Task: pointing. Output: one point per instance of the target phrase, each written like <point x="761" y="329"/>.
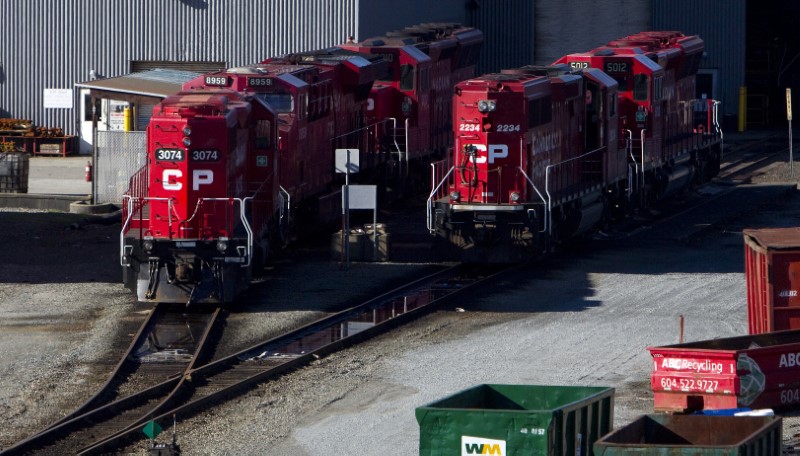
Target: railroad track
<point x="199" y="386"/>
<point x="744" y="159"/>
<point x="168" y="344"/>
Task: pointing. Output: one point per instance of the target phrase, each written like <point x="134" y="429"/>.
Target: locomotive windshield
<point x="280" y="102"/>
<point x="640" y="87"/>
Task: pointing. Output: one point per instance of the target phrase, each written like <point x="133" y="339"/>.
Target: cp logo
<point x="495" y="151"/>
<point x="171" y="178"/>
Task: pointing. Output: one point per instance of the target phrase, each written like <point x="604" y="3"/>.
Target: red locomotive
<point x="239" y="154"/>
<point x="545" y="153"/>
<point x="411" y="105"/>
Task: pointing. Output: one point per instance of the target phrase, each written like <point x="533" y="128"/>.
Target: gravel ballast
<point x="583" y="317"/>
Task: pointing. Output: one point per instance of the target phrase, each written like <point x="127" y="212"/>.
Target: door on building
<point x="110" y="117"/>
<point x="88" y="110"/>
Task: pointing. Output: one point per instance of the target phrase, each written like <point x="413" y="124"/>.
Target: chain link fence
<point x="119" y="154"/>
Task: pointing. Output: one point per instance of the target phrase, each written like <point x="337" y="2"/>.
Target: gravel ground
<point x="584" y="317"/>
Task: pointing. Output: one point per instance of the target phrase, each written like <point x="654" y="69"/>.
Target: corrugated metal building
<point x="722" y="25"/>
<point x="48" y="46"/>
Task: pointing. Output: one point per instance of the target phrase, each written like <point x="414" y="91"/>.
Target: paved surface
<point x="58" y="176"/>
<point x="54" y="184"/>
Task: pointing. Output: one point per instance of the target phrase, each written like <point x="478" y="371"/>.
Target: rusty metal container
<point x="652" y="435"/>
<point x="772" y="271"/>
<point x="756" y="371"/>
<point x="356" y="245"/>
<point x="14" y="169"/>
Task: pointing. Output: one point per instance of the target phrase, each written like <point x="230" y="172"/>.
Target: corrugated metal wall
<point x="567" y="26"/>
<point x="722" y="25"/>
<point x="376" y="17"/>
<point x="508" y="30"/>
<point x="55" y="43"/>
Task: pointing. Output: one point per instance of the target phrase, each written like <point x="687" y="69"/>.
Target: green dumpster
<point x="513" y="420"/>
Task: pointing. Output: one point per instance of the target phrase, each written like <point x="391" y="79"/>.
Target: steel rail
<point x="97" y="416"/>
<point x="204" y="386"/>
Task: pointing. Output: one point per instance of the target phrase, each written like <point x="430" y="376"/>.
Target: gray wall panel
<point x="55" y="43"/>
<point x="722" y="25"/>
<point x="378" y="17"/>
<point x="508" y="27"/>
<point x="567" y="26"/>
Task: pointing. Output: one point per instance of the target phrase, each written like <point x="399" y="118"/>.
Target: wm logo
<point x="477" y="445"/>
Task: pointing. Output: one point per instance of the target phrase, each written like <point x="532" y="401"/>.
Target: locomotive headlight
<point x="455" y="196"/>
<point x="222" y="244"/>
<point x="187" y="142"/>
<point x="187" y="131"/>
<point x="148" y="244"/>
<point x="515" y="197"/>
<point x="487" y="105"/>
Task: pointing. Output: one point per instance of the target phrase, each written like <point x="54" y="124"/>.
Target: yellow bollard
<point x="127" y="118"/>
<point x="742" y="108"/>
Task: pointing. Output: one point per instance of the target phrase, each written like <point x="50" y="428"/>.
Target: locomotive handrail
<point x="402" y="153"/>
<point x="715" y="116"/>
<point x="433" y="195"/>
<point x="124" y="230"/>
<point x="547" y="209"/>
<point x="536" y="189"/>
<point x="243" y="218"/>
<point x="286" y="206"/>
<point x="547" y="173"/>
<point x="128" y="220"/>
<point x="406" y="138"/>
<point x="635" y="165"/>
<point x="643" y="164"/>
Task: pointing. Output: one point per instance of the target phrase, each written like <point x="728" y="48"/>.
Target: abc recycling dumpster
<point x="516" y="420"/>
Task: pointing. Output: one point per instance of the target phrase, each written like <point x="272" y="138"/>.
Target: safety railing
<point x="130" y="202"/>
<point x="246" y="250"/>
<point x="438" y="180"/>
<point x="571" y="177"/>
<point x="136" y="205"/>
<point x="545" y="201"/>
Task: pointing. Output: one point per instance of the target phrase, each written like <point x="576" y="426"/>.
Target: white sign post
<point x="346" y="161"/>
<point x="789" y="118"/>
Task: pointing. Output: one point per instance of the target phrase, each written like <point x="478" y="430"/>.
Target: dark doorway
<point x="773" y="59"/>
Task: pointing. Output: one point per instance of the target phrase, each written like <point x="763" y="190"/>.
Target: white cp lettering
<point x="497" y="151"/>
<point x="169" y="174"/>
<point x="201" y="177"/>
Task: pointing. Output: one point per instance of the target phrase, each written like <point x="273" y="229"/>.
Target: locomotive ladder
<point x="399" y="145"/>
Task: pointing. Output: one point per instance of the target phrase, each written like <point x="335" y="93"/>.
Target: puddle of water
<point x="364" y="320"/>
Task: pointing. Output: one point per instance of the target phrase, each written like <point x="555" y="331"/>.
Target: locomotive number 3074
<point x="205" y="155"/>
